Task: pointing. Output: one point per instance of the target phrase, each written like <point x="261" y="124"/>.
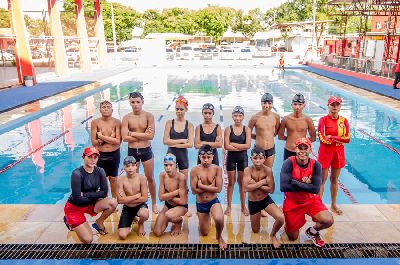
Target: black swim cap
<point x="208" y="106"/>
<point x="298" y="98"/>
<point x="267" y="97"/>
<point x="238" y="109"/>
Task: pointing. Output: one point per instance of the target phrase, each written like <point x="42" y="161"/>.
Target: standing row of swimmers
<point x="137" y="128"/>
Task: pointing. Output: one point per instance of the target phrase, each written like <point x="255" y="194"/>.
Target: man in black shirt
<point x="88" y="195"/>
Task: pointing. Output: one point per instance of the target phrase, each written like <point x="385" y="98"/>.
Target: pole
<point x="273" y="37"/>
<point x="313" y="32"/>
<point x="113" y="28"/>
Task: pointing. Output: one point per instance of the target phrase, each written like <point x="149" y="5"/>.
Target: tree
<point x="214" y="21"/>
<point x="247" y="24"/>
<point x="4" y="19"/>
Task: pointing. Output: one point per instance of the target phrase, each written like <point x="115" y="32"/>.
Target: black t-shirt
<point x="93" y="186"/>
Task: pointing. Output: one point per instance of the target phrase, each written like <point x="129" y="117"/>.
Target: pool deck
<point x="43" y="224"/>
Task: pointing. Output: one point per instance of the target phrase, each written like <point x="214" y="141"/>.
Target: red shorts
<point x="331" y="156"/>
<point x="76" y="214"/>
<point x="295" y="217"/>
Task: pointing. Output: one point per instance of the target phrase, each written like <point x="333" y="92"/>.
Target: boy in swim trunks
<point x="105" y="134"/>
<point x="259" y="183"/>
<point x="300" y="181"/>
<point x="206" y="183"/>
<point x="173" y="190"/>
<point x="296" y="125"/>
<point x="266" y="124"/>
<point x="137" y="130"/>
<point x="133" y="194"/>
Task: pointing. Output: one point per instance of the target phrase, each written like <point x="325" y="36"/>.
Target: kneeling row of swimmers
<point x="300" y="180"/>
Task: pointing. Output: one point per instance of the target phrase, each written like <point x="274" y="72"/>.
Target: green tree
<point x="4" y="19"/>
<point x="248" y="24"/>
<point x="214" y="21"/>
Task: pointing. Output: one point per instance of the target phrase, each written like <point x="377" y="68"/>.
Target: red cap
<point x="183" y="100"/>
<point x="303" y="140"/>
<point x="90" y="151"/>
<point x="334" y="99"/>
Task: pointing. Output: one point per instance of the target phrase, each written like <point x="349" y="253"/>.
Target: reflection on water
<point x="370" y="175"/>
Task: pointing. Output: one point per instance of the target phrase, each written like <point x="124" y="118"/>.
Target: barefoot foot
<point x="155" y="209"/>
<point x="228" y="211"/>
<point x="276" y="242"/>
<point x="336" y="209"/>
<point x="141" y="231"/>
<point x="222" y="244"/>
<point x="176" y="229"/>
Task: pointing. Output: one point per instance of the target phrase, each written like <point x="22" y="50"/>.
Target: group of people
<point x="302" y="178"/>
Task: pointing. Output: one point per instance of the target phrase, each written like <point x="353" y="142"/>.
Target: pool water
<point x="34" y="175"/>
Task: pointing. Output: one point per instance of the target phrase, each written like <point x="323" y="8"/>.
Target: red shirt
<point x="301" y="197"/>
<point x="397" y="67"/>
<point x="338" y="129"/>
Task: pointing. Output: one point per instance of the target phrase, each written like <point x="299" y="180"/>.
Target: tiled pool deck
<point x="43" y="224"/>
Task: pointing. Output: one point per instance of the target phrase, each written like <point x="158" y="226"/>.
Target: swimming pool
<point x="43" y="177"/>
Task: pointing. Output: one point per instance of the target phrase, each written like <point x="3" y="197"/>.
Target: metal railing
<point x="367" y="66"/>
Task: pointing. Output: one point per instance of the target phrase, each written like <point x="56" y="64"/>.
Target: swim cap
<point x="267" y="97"/>
<point x="129" y="160"/>
<point x="183" y="100"/>
<point x="88" y="151"/>
<point x="208" y="106"/>
<point x="257" y="151"/>
<point x="136" y="95"/>
<point x="334" y="99"/>
<point x="299" y="98"/>
<point x="238" y="109"/>
<point x="170" y="158"/>
<point x="206" y="149"/>
<point x="303" y="140"/>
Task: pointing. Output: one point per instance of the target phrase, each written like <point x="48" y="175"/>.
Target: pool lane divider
<point x="173" y="99"/>
<point x="391" y="148"/>
<point x="223" y="151"/>
<point x="4" y="169"/>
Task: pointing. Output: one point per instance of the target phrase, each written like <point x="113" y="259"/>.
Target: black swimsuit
<point x="204" y="137"/>
<point x="181" y="154"/>
<point x="237" y="159"/>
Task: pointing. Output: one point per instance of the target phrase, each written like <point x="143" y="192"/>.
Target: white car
<point x="186" y="53"/>
<point x="227" y="54"/>
<point x="245" y="54"/>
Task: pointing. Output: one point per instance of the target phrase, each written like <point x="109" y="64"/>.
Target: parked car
<point x="130" y="54"/>
<point x="245" y="54"/>
<point x="186" y="53"/>
<point x="206" y="54"/>
<point x="170" y="54"/>
<point x="197" y="53"/>
<point x="227" y="54"/>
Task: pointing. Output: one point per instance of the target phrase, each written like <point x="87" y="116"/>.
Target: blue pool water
<point x="370" y="175"/>
<point x="211" y="262"/>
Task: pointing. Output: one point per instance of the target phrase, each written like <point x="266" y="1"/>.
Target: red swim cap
<point x="183" y="100"/>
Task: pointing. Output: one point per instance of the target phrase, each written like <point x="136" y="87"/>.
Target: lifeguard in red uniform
<point x="333" y="133"/>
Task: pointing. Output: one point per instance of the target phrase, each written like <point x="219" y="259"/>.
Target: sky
<point x="141" y="5"/>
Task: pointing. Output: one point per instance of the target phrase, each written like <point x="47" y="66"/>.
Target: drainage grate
<point x="196" y="251"/>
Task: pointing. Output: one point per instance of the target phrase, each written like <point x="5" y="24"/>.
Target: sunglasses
<point x="181" y="109"/>
<point x="257" y="154"/>
<point x="210" y="107"/>
<point x="209" y="152"/>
